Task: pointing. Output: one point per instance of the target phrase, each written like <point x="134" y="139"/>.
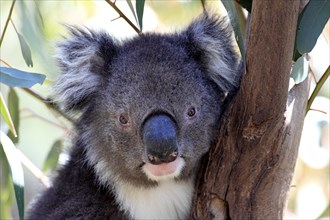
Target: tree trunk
<point x="247" y="174"/>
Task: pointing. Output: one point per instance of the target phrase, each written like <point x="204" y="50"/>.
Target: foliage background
<point x="41" y="24"/>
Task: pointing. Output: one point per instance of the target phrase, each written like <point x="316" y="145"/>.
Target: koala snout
<point x="160" y="139"/>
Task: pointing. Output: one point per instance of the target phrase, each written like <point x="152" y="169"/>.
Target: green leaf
<point x="311" y="23"/>
<point x="317" y="88"/>
<point x="6" y="187"/>
<point x="26" y="52"/>
<point x="13" y="107"/>
<point x="139" y="11"/>
<point x="296" y="54"/>
<point x="300" y="70"/>
<point x="129" y="2"/>
<point x="247" y="4"/>
<point x="14" y="77"/>
<point x="6" y="115"/>
<point x="38" y="16"/>
<point x="234" y="20"/>
<point x="16" y="171"/>
<point x="325" y="213"/>
<point x="52" y="157"/>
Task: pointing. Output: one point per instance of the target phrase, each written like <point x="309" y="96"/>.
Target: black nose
<point x="160" y="139"/>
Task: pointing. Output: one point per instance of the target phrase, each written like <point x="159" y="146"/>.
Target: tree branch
<point x="121" y="14"/>
<point x="49" y="104"/>
<point x="319" y="85"/>
<point x="33" y="169"/>
<point x="248" y="173"/>
<point x="35" y="115"/>
<point x="7" y="22"/>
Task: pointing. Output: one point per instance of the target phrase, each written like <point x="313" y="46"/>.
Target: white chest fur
<point x="169" y="200"/>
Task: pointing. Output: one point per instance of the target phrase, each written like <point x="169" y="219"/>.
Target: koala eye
<point x="191" y="112"/>
<point x="123" y="119"/>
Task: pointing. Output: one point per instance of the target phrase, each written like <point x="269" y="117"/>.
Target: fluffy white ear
<point x="210" y="40"/>
<point x="83" y="59"/>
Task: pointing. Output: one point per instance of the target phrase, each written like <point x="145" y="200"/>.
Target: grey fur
<point x="152" y="73"/>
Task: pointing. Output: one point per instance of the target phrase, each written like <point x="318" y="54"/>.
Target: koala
<point x="148" y="109"/>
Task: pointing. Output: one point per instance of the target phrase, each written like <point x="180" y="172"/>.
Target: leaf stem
<point x="7" y="22"/>
<point x="49" y="104"/>
<point x="121" y="14"/>
<point x="6" y="115"/>
<point x="5" y="63"/>
<point x="35" y="115"/>
<point x="11" y="21"/>
<point x="319" y="85"/>
<point x="33" y="169"/>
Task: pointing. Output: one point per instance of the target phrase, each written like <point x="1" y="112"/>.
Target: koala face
<point x="150" y="106"/>
<point x="164" y="83"/>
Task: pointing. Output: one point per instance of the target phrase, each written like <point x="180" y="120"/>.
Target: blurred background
<point x="42" y="131"/>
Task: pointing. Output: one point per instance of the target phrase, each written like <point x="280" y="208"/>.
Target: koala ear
<point x="83" y="59"/>
<point x="210" y="40"/>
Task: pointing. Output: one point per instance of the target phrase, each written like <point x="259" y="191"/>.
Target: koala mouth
<point x="164" y="171"/>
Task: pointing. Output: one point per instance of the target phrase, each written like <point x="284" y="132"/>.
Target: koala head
<point x="149" y="107"/>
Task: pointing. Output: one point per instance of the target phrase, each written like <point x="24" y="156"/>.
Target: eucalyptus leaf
<point x="26" y="52"/>
<point x="52" y="157"/>
<point x="139" y="11"/>
<point x="300" y="70"/>
<point x="13" y="107"/>
<point x="16" y="171"/>
<point x="14" y="77"/>
<point x="325" y="213"/>
<point x="296" y="54"/>
<point x="247" y="4"/>
<point x="38" y="16"/>
<point x="311" y="23"/>
<point x="7" y="195"/>
<point x="234" y="19"/>
<point x="33" y="32"/>
<point x="129" y="2"/>
<point x="6" y="115"/>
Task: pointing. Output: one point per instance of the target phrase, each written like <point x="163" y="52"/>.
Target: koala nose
<point x="160" y="139"/>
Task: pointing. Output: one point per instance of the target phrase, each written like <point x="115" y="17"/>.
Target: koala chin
<point x="147" y="110"/>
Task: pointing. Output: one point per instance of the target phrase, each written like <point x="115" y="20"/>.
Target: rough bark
<point x="247" y="175"/>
